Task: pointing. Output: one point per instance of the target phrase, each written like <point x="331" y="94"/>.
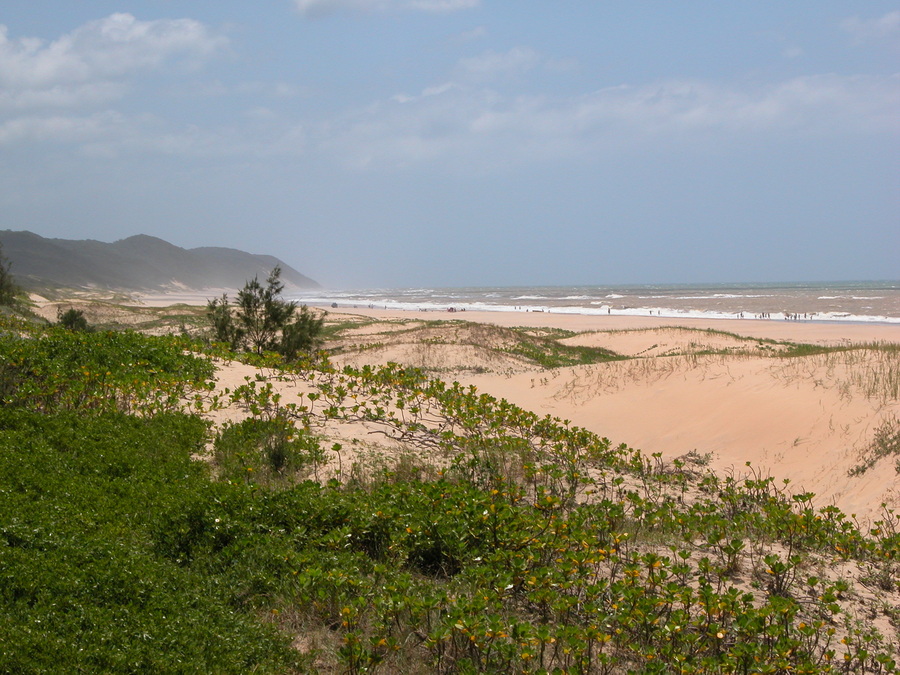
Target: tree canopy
<point x="8" y="287"/>
<point x="261" y="320"/>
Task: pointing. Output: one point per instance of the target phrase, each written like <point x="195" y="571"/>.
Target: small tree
<point x="261" y="312"/>
<point x="8" y="287"/>
<point x="218" y="310"/>
<point x="261" y="320"/>
<point x="72" y="319"/>
<point x="303" y="335"/>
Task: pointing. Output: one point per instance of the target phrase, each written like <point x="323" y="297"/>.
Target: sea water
<point x="858" y="302"/>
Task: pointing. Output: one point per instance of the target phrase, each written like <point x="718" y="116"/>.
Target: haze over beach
<point x="447" y="143"/>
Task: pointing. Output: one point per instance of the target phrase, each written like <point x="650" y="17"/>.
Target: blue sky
<point x="374" y="143"/>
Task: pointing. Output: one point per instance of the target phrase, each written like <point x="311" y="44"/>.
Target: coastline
<point x="806" y="330"/>
<point x="812" y="332"/>
<point x="701" y="390"/>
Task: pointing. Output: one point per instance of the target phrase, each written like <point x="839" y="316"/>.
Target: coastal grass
<point x="885" y="443"/>
<point x="537" y="348"/>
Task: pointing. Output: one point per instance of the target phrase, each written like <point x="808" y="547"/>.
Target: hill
<point x="138" y="263"/>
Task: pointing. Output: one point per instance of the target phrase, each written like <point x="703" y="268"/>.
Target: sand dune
<point x="808" y="420"/>
<point x="805" y="419"/>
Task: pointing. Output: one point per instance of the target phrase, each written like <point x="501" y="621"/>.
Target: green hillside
<point x="136" y="263"/>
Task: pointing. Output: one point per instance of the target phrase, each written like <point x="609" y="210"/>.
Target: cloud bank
<point x="88" y="65"/>
<point x="318" y="8"/>
<point x="64" y="92"/>
<point x="868" y="30"/>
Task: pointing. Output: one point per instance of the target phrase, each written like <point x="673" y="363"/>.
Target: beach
<point x="703" y="388"/>
<point x="806" y="419"/>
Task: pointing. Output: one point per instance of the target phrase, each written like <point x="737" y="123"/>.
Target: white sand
<point x="800" y="419"/>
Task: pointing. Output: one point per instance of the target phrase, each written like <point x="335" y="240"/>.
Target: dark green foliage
<point x="262" y="321"/>
<point x="83" y="587"/>
<point x="8" y="288"/>
<point x="72" y="319"/>
<point x="262" y="314"/>
<point x="303" y="335"/>
<point x="218" y="311"/>
<point x="269" y="451"/>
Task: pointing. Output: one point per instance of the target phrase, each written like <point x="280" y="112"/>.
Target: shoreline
<point x="810" y="331"/>
<point x="807" y="419"/>
<point x="828" y="333"/>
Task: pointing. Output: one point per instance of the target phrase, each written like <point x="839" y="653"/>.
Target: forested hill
<point x="140" y="262"/>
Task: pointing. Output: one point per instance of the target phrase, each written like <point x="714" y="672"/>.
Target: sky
<point x="432" y="143"/>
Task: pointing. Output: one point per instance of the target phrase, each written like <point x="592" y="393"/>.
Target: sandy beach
<point x="808" y="420"/>
<point x="812" y="332"/>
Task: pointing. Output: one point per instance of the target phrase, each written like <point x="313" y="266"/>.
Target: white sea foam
<point x="776" y="303"/>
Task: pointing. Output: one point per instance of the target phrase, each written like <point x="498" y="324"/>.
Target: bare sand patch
<point x="807" y="425"/>
<point x="666" y="341"/>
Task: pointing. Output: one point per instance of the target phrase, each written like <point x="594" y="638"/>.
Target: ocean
<point x="858" y="302"/>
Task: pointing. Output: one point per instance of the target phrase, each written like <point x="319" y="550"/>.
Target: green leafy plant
<point x="72" y="319"/>
<point x="8" y="287"/>
<point x="262" y="321"/>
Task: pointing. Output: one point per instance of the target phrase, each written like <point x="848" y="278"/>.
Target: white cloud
<point x="62" y="96"/>
<point x="873" y="29"/>
<point x="75" y="68"/>
<point x="316" y="8"/>
<point x="478" y="126"/>
<point x="428" y="91"/>
<point x="61" y="129"/>
<point x="477" y="33"/>
<point x="491" y="64"/>
<point x="269" y="89"/>
<point x="442" y="5"/>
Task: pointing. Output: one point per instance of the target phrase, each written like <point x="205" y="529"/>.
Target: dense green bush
<point x="261" y="320"/>
<point x="269" y="451"/>
<point x="83" y="586"/>
<point x="8" y="287"/>
<point x="58" y="369"/>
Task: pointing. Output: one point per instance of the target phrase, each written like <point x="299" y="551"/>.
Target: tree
<point x="218" y="310"/>
<point x="261" y="312"/>
<point x="262" y="321"/>
<point x="72" y="319"/>
<point x="8" y="287"/>
<point x="303" y="335"/>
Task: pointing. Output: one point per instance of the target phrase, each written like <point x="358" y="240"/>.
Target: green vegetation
<point x="89" y="581"/>
<point x="8" y="288"/>
<point x="541" y="348"/>
<point x="885" y="443"/>
<point x="55" y="369"/>
<point x="548" y="353"/>
<point x="72" y="319"/>
<point x="499" y="542"/>
<point x="263" y="321"/>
